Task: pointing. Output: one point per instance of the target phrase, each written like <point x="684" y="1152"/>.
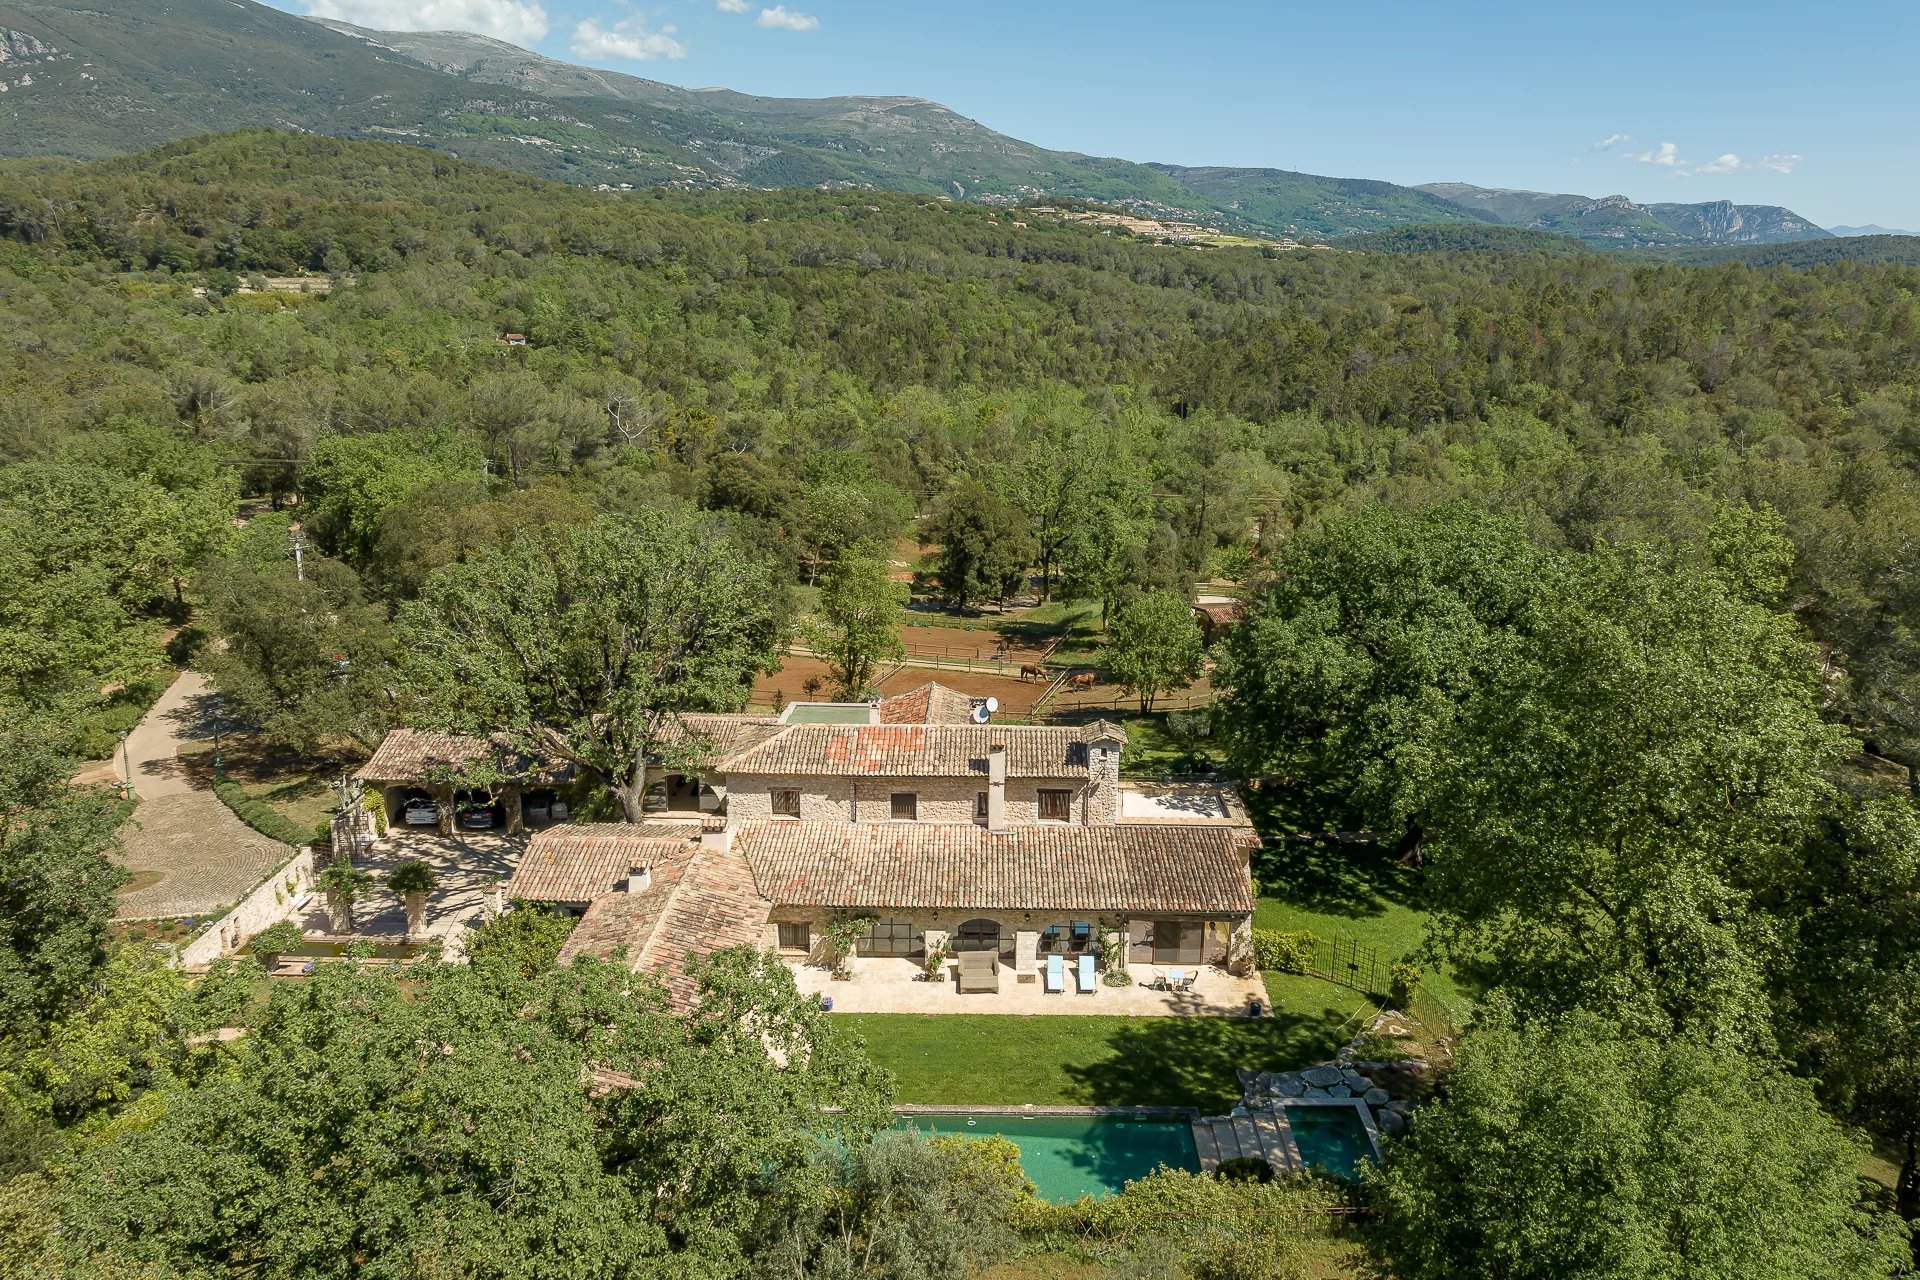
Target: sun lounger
<point x="979" y="971"/>
<point x="1056" y="974"/>
<point x="1083" y="975"/>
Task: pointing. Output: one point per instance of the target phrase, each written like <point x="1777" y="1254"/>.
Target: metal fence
<point x="1351" y="963"/>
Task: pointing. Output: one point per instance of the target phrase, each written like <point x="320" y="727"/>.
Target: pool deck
<point x="886" y="985"/>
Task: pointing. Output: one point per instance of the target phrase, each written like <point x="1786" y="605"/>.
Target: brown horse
<point x="1080" y="683"/>
<point x="1032" y="671"/>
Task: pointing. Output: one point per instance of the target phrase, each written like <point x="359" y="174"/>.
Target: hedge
<point x="1277" y="952"/>
<point x="260" y="815"/>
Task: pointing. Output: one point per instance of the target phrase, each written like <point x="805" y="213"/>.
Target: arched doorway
<point x="977" y="935"/>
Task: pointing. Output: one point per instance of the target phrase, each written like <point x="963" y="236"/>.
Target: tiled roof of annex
<point x="413" y="755"/>
<point x="963" y="866"/>
<point x="581" y="863"/>
<point x="922" y="751"/>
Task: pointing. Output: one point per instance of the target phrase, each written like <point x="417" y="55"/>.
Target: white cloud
<point x="1611" y="141"/>
<point x="732" y="6"/>
<point x="1666" y="154"/>
<point x="1725" y="164"/>
<point x="1780" y="163"/>
<point x="521" y="21"/>
<point x="628" y="38"/>
<point x="786" y="19"/>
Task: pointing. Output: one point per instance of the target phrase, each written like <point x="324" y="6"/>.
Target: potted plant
<point x="936" y="964"/>
<point x="274" y="941"/>
<point x="342" y="882"/>
<point x="411" y="882"/>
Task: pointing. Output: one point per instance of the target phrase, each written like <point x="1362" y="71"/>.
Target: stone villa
<point x="943" y="832"/>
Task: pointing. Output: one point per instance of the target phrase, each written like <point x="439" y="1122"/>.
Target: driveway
<point x="189" y="855"/>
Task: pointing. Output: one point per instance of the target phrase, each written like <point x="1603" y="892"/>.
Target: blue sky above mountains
<point x="1760" y="102"/>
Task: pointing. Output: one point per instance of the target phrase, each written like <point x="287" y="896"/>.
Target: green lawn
<point x="1350" y="890"/>
<point x="1095" y="1060"/>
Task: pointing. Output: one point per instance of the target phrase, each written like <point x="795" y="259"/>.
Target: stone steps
<point x="1262" y="1136"/>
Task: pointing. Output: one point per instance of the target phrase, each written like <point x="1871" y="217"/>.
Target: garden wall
<point x="273" y="899"/>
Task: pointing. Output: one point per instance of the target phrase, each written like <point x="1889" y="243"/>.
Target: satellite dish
<point x="981" y="714"/>
<point x="993" y="704"/>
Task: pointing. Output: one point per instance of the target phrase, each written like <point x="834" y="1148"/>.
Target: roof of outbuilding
<point x="414" y="755"/>
<point x="961" y="866"/>
<point x="582" y="862"/>
<point x="920" y="750"/>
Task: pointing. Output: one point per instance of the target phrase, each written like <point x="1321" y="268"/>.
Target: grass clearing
<point x="1095" y="1060"/>
<point x="1353" y="890"/>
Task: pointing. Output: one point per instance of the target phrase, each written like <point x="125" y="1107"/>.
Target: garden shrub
<point x="260" y="815"/>
<point x="1277" y="952"/>
<point x="1403" y="985"/>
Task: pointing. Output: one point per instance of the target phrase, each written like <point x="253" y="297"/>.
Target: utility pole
<point x="299" y="549"/>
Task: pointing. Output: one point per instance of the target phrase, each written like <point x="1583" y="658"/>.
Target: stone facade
<point x="938" y="927"/>
<point x="750" y="798"/>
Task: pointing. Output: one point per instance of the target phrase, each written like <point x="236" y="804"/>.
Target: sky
<point x="1807" y="106"/>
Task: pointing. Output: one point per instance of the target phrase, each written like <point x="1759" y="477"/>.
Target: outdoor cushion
<point x="1056" y="973"/>
<point x="1084" y="972"/>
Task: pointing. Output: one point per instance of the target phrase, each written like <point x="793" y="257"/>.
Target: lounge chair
<point x="1187" y="980"/>
<point x="1083" y="975"/>
<point x="1056" y="974"/>
<point x="979" y="971"/>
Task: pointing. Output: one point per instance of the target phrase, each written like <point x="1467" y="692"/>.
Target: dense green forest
<point x="1589" y="581"/>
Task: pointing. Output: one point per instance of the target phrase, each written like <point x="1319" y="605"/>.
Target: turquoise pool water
<point x="1331" y="1139"/>
<point x="1072" y="1156"/>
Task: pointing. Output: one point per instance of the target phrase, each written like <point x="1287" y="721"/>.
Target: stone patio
<point x="467" y="863"/>
<point x="887" y="985"/>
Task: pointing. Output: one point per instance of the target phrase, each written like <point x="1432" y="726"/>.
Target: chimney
<point x="997" y="787"/>
<point x="639" y="879"/>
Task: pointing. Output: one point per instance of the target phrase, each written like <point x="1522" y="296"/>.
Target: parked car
<point x="476" y="817"/>
<point x="420" y="812"/>
<point x="537" y="810"/>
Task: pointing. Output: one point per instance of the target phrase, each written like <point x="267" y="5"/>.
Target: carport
<point x="444" y="767"/>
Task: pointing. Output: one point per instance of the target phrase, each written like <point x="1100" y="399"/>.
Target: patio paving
<point x="887" y="985"/>
<point x="467" y="864"/>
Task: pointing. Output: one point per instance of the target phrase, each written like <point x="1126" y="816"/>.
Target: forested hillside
<point x="1582" y="588"/>
<point x="756" y="350"/>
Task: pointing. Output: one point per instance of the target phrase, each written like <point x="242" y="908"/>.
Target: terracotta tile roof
<point x="620" y="919"/>
<point x="721" y="734"/>
<point x="411" y="755"/>
<point x="923" y="751"/>
<point x="960" y="866"/>
<point x="715" y="906"/>
<point x="694" y="907"/>
<point x="581" y="863"/>
<point x="931" y="703"/>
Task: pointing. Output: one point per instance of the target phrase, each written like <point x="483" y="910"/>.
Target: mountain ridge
<point x="91" y="78"/>
<point x="1627" y="223"/>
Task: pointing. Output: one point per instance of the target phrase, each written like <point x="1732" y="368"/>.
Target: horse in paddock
<point x="1080" y="683"/>
<point x="1032" y="671"/>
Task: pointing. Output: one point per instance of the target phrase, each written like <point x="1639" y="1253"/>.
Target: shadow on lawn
<point x="1353" y="877"/>
<point x="1190" y="1062"/>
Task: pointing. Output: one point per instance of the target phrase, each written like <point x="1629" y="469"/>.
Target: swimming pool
<point x="1332" y="1139"/>
<point x="1067" y="1157"/>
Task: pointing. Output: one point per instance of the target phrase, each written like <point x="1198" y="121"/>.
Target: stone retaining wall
<point x="272" y="900"/>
